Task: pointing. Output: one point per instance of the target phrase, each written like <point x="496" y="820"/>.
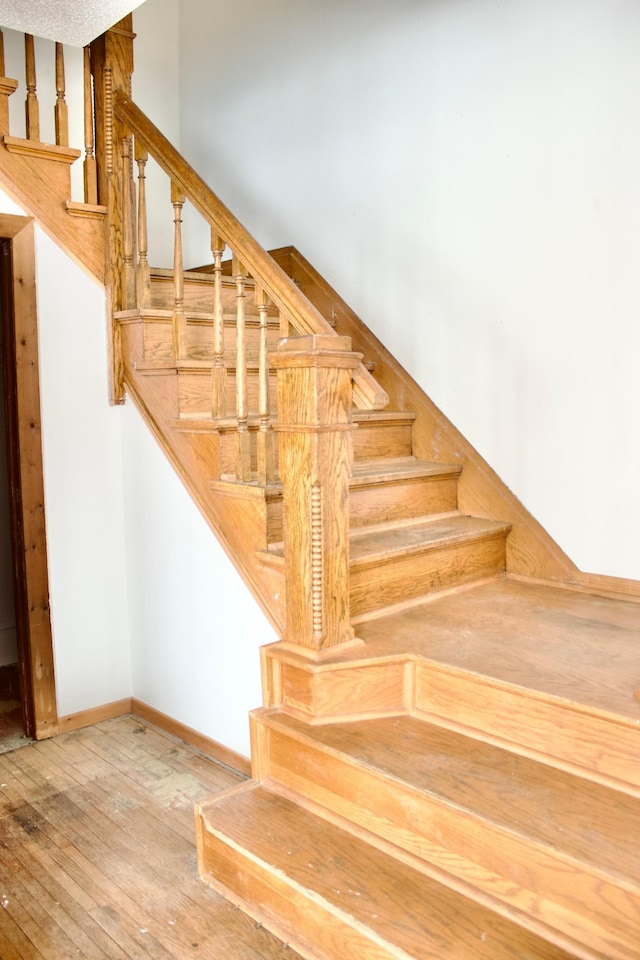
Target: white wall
<point x="465" y="173"/>
<point x="83" y="485"/>
<point x="196" y="630"/>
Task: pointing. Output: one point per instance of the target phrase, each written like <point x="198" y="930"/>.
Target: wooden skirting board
<point x="129" y="705"/>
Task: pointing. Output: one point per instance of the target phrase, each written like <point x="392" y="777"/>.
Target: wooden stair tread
<point x="565" y="644"/>
<point x="383" y="416"/>
<point x="582" y="820"/>
<point x="395" y="907"/>
<point x="397" y="468"/>
<point x="369" y="545"/>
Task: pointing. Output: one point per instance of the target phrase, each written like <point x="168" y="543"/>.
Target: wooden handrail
<point x="279" y="287"/>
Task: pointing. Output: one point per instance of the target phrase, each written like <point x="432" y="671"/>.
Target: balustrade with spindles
<point x="250" y="293"/>
<point x="33" y="126"/>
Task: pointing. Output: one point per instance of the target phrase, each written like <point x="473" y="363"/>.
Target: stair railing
<point x="253" y="270"/>
<point x="32" y="130"/>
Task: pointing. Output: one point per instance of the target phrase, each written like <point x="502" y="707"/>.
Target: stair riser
<point x="401" y="578"/>
<point x="571" y="738"/>
<point x="158" y="342"/>
<point x="401" y="500"/>
<point x="380" y="439"/>
<point x="194" y="393"/>
<point x="554" y="890"/>
<point x="296" y="916"/>
<point x="198" y="295"/>
<point x="386" y="502"/>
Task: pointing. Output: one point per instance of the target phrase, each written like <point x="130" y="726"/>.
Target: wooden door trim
<point x="35" y="641"/>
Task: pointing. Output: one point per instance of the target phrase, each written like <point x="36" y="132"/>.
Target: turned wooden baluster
<point x="90" y="168"/>
<point x="143" y="276"/>
<point x="243" y="451"/>
<point x="219" y="376"/>
<point x="128" y="205"/>
<point x="32" y="110"/>
<point x="7" y="87"/>
<point x="315" y="451"/>
<point x="265" y="440"/>
<point x="179" y="318"/>
<point x="61" y="110"/>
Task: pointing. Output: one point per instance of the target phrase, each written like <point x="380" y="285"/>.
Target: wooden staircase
<point x="457" y="778"/>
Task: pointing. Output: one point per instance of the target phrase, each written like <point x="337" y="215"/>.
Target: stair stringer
<point x="236" y="513"/>
<point x="531" y="551"/>
<point x="36" y="176"/>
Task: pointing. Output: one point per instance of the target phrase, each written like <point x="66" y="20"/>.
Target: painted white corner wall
<point x="196" y="630"/>
<point x="465" y="174"/>
<point x="84" y="503"/>
<point x="155" y="88"/>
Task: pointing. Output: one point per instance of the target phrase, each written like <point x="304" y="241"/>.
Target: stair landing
<point x="560" y="642"/>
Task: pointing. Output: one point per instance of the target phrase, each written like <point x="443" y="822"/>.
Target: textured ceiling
<point x="69" y="21"/>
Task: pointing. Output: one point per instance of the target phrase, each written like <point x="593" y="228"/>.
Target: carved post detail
<point x="31" y="107"/>
<point x="7" y="87"/>
<point x="314" y="431"/>
<point x="90" y="169"/>
<point x="143" y="275"/>
<point x="219" y="374"/>
<point x="179" y="318"/>
<point x="61" y="110"/>
<point x="243" y="450"/>
<point x="265" y="457"/>
<point x="111" y="62"/>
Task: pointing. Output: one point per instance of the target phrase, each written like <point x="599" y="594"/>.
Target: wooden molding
<point x="611" y="586"/>
<point x="43" y="151"/>
<point x="206" y="745"/>
<point x="86" y="718"/>
<point x="283" y="292"/>
<point x="26" y="479"/>
<point x="41" y="187"/>
<point x="90" y="210"/>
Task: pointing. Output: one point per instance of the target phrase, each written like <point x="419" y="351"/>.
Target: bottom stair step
<point x="331" y="894"/>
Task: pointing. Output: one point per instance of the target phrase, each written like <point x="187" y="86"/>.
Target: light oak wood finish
<point x="90" y="170"/>
<point x="271" y="855"/>
<point x="61" y="110"/>
<point x="37" y="177"/>
<point x="314" y="433"/>
<point x="530" y="550"/>
<point x="31" y="107"/>
<point x="7" y="87"/>
<point x="471" y="810"/>
<point x="98" y="852"/>
<point x="111" y="58"/>
<point x="282" y="291"/>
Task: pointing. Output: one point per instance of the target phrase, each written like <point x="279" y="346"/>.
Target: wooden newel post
<point x="315" y="448"/>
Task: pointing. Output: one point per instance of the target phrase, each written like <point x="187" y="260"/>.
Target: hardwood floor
<point x="98" y="852"/>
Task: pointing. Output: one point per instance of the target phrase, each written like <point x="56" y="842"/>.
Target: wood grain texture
<point x="99" y="856"/>
<point x="282" y="291"/>
<point x="472" y="810"/>
<point x="531" y="550"/>
<point x="314" y="441"/>
<point x="273" y="856"/>
<point x="41" y="186"/>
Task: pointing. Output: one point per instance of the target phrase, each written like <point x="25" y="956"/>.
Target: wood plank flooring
<point x="97" y="852"/>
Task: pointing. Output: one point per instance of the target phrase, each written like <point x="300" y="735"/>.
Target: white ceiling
<point x="68" y="21"/>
